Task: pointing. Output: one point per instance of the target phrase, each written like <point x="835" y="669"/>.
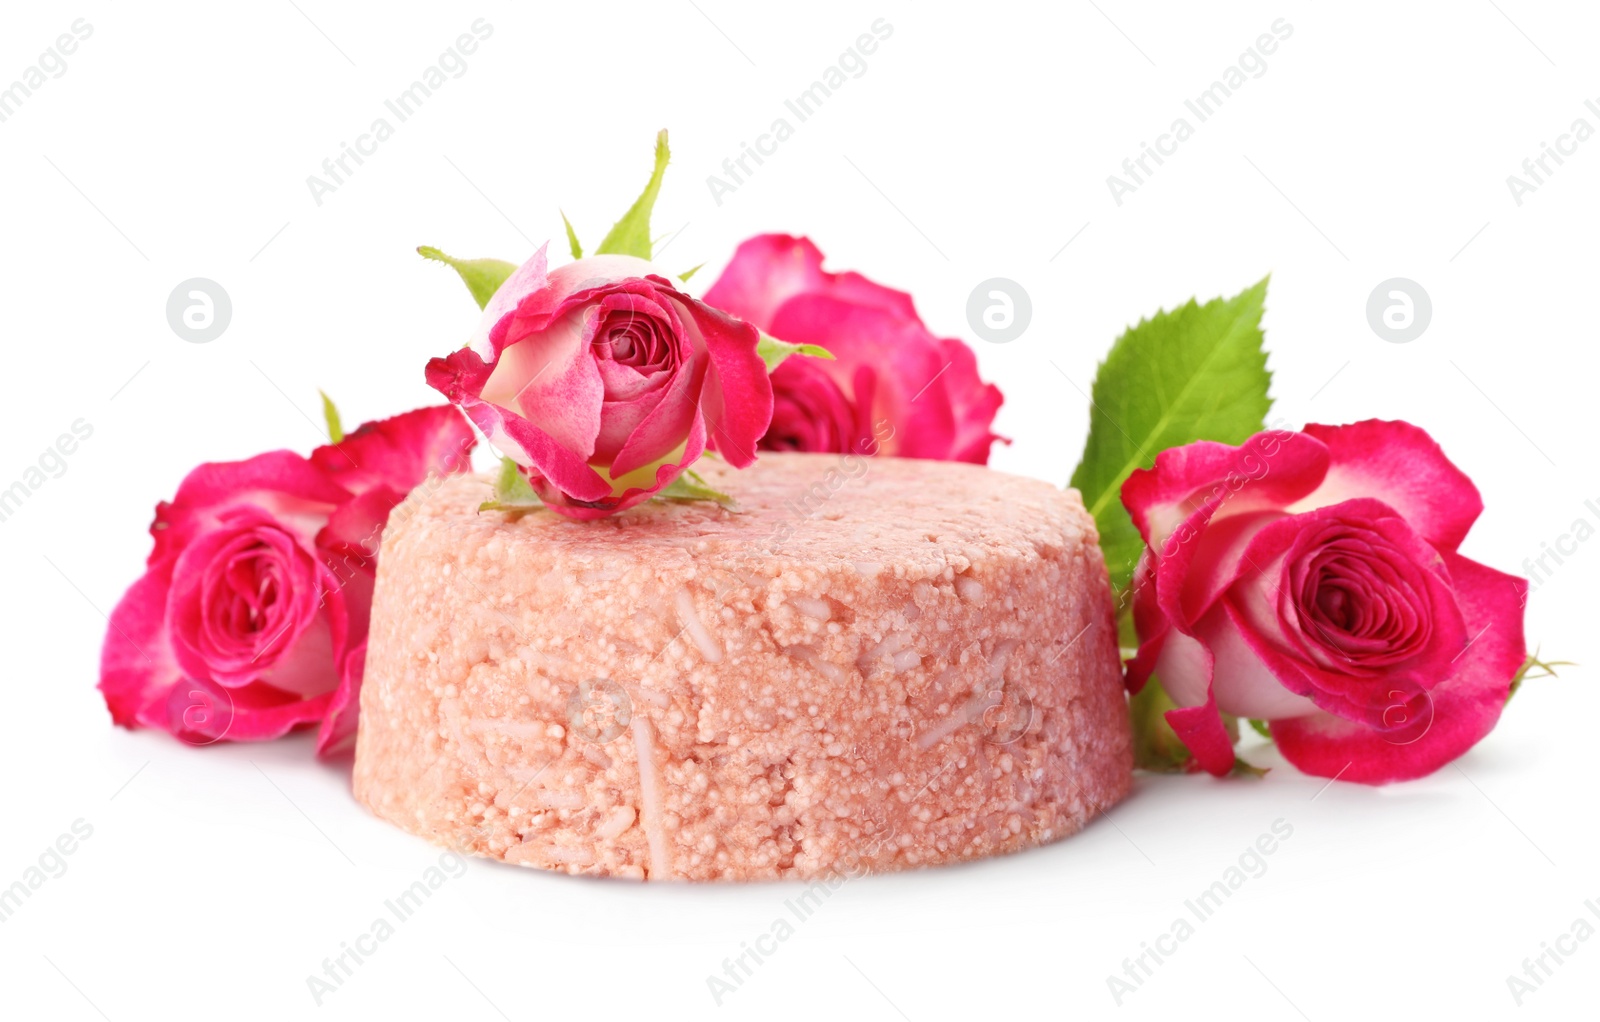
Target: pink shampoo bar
<point x="873" y="664"/>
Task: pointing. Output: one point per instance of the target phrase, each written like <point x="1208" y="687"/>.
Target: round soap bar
<point x="873" y="664"/>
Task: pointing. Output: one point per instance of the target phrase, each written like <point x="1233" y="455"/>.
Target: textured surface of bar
<point x="876" y="664"/>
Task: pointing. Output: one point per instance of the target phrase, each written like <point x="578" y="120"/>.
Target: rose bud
<point x="1312" y="580"/>
<point x="893" y="387"/>
<point x="604" y="382"/>
<point x="251" y="618"/>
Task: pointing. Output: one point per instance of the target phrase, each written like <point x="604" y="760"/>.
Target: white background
<point x="977" y="144"/>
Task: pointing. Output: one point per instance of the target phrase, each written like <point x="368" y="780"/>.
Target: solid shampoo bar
<point x="873" y="664"/>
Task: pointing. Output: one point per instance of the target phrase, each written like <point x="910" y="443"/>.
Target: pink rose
<point x="604" y="382"/>
<point x="251" y="618"/>
<point x="1311" y="579"/>
<point x="888" y="369"/>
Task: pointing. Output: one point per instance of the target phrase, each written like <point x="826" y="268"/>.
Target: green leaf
<point x="691" y="271"/>
<point x="691" y="486"/>
<point x="1196" y="373"/>
<point x="330" y="415"/>
<point x="774" y="351"/>
<point x="572" y="238"/>
<point x="511" y="491"/>
<point x="631" y="234"/>
<point x="483" y="277"/>
<point x="1260" y="728"/>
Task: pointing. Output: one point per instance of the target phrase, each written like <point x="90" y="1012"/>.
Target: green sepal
<point x="1546" y="670"/>
<point x="483" y="277"/>
<point x="774" y="351"/>
<point x="1260" y="728"/>
<point x="690" y="485"/>
<point x="631" y="235"/>
<point x="1156" y="747"/>
<point x="330" y="415"/>
<point x="1244" y="768"/>
<point x="511" y="491"/>
<point x="691" y="271"/>
<point x="1127" y="631"/>
<point x="572" y="237"/>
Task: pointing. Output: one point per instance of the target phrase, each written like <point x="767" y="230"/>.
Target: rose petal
<point x="310" y="666"/>
<point x="900" y="355"/>
<point x="1312" y="664"/>
<point x="1465" y="706"/>
<point x="528" y="280"/>
<point x="597" y="271"/>
<point x="664" y="474"/>
<point x="1149" y="623"/>
<point x="668" y="423"/>
<point x="337" y="735"/>
<point x="973" y="404"/>
<point x="1202" y="732"/>
<point x="1404" y="467"/>
<point x="619" y="420"/>
<point x="136" y="663"/>
<point x="1269" y="470"/>
<point x="769" y="269"/>
<point x="399" y="452"/>
<point x="550" y="379"/>
<point x="1195" y="572"/>
<point x="811" y="413"/>
<point x="1200" y="506"/>
<point x="921" y="395"/>
<point x="207" y="648"/>
<point x="354" y="531"/>
<point x="460" y="376"/>
<point x="1245" y="686"/>
<point x="255" y="713"/>
<point x="1185" y="668"/>
<point x="737" y="394"/>
<point x="144" y="687"/>
<point x="284" y="484"/>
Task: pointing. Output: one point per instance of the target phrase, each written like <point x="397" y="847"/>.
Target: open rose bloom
<point x="604" y="382"/>
<point x="251" y="618"/>
<point x="1312" y="580"/>
<point x="892" y="388"/>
